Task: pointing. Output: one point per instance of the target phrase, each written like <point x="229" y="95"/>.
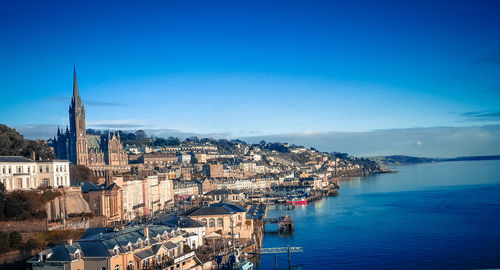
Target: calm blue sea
<point x="428" y="216"/>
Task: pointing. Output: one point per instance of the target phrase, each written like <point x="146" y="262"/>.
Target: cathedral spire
<point x="76" y="94"/>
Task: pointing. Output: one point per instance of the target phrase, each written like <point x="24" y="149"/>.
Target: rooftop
<point x="14" y="159"/>
<point x="215" y="209"/>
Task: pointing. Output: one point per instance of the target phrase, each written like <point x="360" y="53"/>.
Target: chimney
<point x="146" y="231"/>
<point x="70" y="241"/>
<point x="33" y="155"/>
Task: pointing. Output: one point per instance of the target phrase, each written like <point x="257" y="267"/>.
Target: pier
<point x="285" y="223"/>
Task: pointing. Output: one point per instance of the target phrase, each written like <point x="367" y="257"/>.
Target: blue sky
<point x="255" y="68"/>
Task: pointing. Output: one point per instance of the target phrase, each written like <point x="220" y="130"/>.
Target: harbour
<point x="397" y="220"/>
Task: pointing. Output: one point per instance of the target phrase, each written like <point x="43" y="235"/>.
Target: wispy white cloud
<point x="482" y="115"/>
<point x="92" y="103"/>
<point x="429" y="142"/>
<point x="119" y="124"/>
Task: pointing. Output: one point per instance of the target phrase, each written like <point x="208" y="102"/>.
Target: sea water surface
<point x="427" y="216"/>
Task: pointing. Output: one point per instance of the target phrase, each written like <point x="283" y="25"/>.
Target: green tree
<point x="41" y="149"/>
<point x="141" y="135"/>
<point x="81" y="173"/>
<point x="11" y="142"/>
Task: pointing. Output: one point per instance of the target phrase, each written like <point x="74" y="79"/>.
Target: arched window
<point x="204" y="222"/>
<point x="211" y="223"/>
<point x="117" y="267"/>
<point x="220" y="222"/>
<point x="130" y="265"/>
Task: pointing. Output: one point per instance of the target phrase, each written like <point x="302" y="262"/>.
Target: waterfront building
<point x="223" y="219"/>
<point x="189" y="225"/>
<point x="226" y="195"/>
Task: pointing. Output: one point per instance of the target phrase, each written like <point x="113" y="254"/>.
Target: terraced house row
<point x="140" y="247"/>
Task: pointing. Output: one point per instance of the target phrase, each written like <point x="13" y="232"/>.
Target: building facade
<point x="20" y="173"/>
<point x="90" y="150"/>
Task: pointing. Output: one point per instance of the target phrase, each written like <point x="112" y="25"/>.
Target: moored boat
<point x="297" y="201"/>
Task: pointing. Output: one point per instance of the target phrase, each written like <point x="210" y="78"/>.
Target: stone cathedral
<point x="100" y="153"/>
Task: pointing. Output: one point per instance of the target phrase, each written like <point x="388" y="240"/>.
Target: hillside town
<point x="126" y="200"/>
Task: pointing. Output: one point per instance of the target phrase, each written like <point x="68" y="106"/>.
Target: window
<point x="117" y="267"/>
<point x="41" y="170"/>
<point x="211" y="223"/>
<point x="220" y="222"/>
<point x="204" y="221"/>
<point x="46" y="168"/>
<point x="3" y="169"/>
<point x="130" y="265"/>
<point x="239" y="217"/>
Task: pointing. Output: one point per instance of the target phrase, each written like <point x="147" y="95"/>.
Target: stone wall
<point x="16" y="255"/>
<point x="36" y="225"/>
<point x="71" y="202"/>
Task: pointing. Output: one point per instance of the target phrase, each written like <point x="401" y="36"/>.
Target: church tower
<point x="78" y="153"/>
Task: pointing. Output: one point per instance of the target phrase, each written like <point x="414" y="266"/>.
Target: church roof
<point x="94" y="141"/>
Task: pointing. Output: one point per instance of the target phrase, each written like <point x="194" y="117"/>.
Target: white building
<point x="20" y="173"/>
<point x="53" y="173"/>
<point x="184" y="158"/>
<point x="145" y="196"/>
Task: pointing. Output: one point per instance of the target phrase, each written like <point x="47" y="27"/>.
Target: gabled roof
<point x="61" y="253"/>
<point x="230" y="207"/>
<point x="94" y="249"/>
<point x="95" y="231"/>
<point x="89" y="186"/>
<point x="223" y="192"/>
<point x="147" y="253"/>
<point x="215" y="209"/>
<point x="156" y="248"/>
<point x="14" y="159"/>
<point x="101" y="243"/>
<point x="170" y="245"/>
<point x="181" y="222"/>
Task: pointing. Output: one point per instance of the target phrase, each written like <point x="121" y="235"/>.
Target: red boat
<point x="297" y="201"/>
